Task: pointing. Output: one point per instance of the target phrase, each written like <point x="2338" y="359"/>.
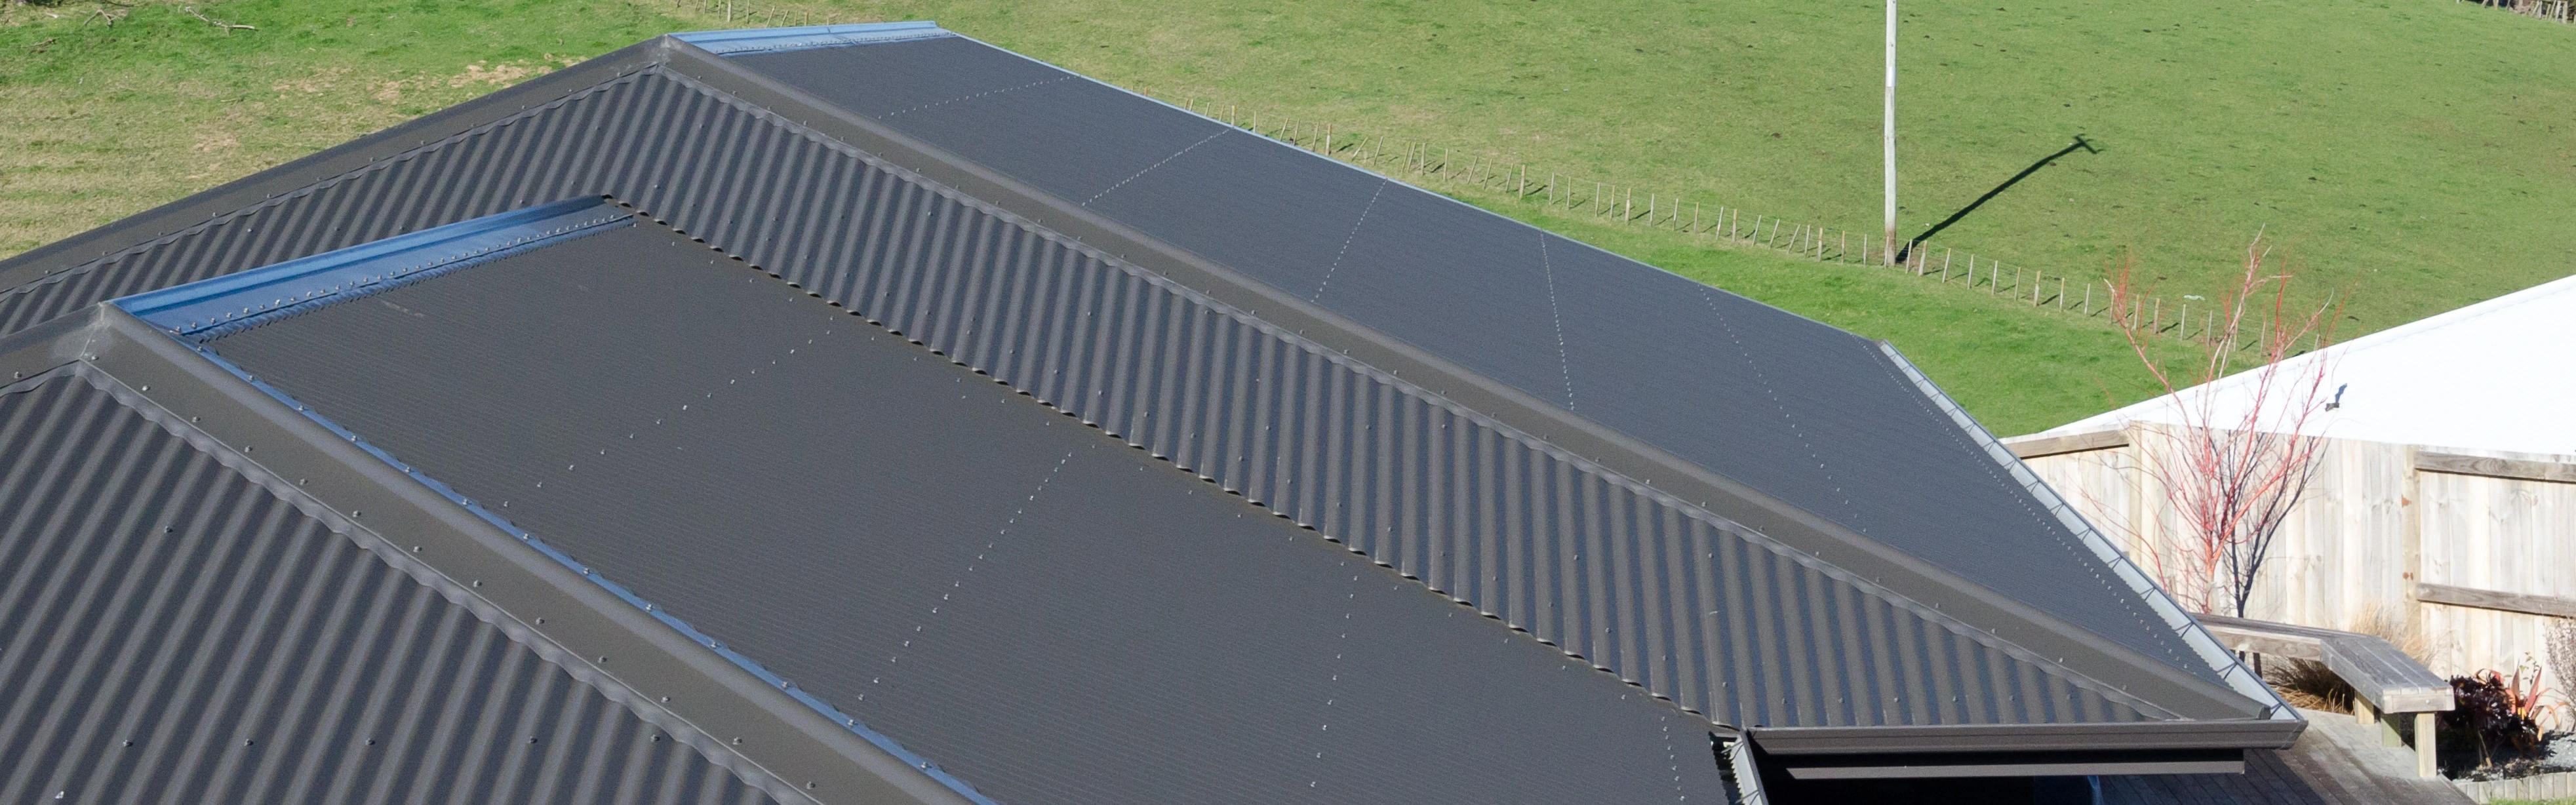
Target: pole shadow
<point x="1908" y="249"/>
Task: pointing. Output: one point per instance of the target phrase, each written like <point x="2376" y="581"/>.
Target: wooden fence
<point x="2477" y="549"/>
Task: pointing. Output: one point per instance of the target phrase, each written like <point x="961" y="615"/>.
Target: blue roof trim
<point x="773" y="40"/>
<point x="208" y="309"/>
<point x="549" y="220"/>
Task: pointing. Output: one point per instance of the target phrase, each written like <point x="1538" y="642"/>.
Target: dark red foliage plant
<point x="2493" y="715"/>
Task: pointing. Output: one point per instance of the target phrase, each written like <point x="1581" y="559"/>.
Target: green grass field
<point x="2205" y="135"/>
<point x="2420" y="154"/>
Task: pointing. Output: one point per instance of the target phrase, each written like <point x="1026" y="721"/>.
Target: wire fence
<point x="2555" y="10"/>
<point x="1629" y="205"/>
<point x="1568" y="194"/>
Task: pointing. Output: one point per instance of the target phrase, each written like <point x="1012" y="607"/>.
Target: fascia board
<point x="2265" y="733"/>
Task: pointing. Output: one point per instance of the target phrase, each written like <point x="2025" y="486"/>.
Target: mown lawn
<point x="101" y="120"/>
<point x="2419" y="153"/>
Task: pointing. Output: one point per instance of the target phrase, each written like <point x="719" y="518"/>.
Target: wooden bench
<point x="2384" y="680"/>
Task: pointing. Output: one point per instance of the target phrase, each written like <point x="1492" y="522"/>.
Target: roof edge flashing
<point x="186" y="217"/>
<point x="2231" y="671"/>
<point x="743" y="41"/>
<point x="212" y="308"/>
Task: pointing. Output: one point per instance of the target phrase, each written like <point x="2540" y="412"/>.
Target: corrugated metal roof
<point x="1799" y="410"/>
<point x="1042" y="612"/>
<point x="1724" y="619"/>
<point x="171" y="631"/>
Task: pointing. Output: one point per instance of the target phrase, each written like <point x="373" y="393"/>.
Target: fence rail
<point x="1562" y="192"/>
<point x="2554" y="10"/>
<point x="1630" y="205"/>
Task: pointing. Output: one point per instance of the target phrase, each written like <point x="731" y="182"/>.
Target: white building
<point x="2446" y="492"/>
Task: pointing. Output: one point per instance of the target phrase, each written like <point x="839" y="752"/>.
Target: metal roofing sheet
<point x="1046" y="614"/>
<point x="171" y="631"/>
<point x="1490" y="515"/>
<point x="1797" y="409"/>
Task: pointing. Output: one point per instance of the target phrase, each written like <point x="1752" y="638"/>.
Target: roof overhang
<point x="1938" y="765"/>
<point x="2271" y="733"/>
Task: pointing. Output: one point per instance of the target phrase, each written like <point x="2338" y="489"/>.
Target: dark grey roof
<point x="1818" y="418"/>
<point x="1042" y="611"/>
<point x="172" y="630"/>
<point x="1763" y="520"/>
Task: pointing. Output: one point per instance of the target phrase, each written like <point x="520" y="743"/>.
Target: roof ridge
<point x="1630" y="470"/>
<point x="222" y="217"/>
<point x="1106" y="232"/>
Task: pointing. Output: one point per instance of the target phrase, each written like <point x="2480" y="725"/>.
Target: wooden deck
<point x="2336" y="762"/>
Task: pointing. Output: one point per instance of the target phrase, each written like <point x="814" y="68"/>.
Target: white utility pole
<point x="1887" y="130"/>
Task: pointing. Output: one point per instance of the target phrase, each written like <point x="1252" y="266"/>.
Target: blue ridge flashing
<point x="208" y="309"/>
<point x="357" y="271"/>
<point x="774" y="40"/>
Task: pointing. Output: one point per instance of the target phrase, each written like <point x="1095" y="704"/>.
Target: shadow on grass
<point x="1926" y="237"/>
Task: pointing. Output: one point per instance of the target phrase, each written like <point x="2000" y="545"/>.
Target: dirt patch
<point x="499" y="75"/>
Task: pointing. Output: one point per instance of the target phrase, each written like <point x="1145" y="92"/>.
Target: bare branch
<point x="228" y="26"/>
<point x="2232" y="469"/>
